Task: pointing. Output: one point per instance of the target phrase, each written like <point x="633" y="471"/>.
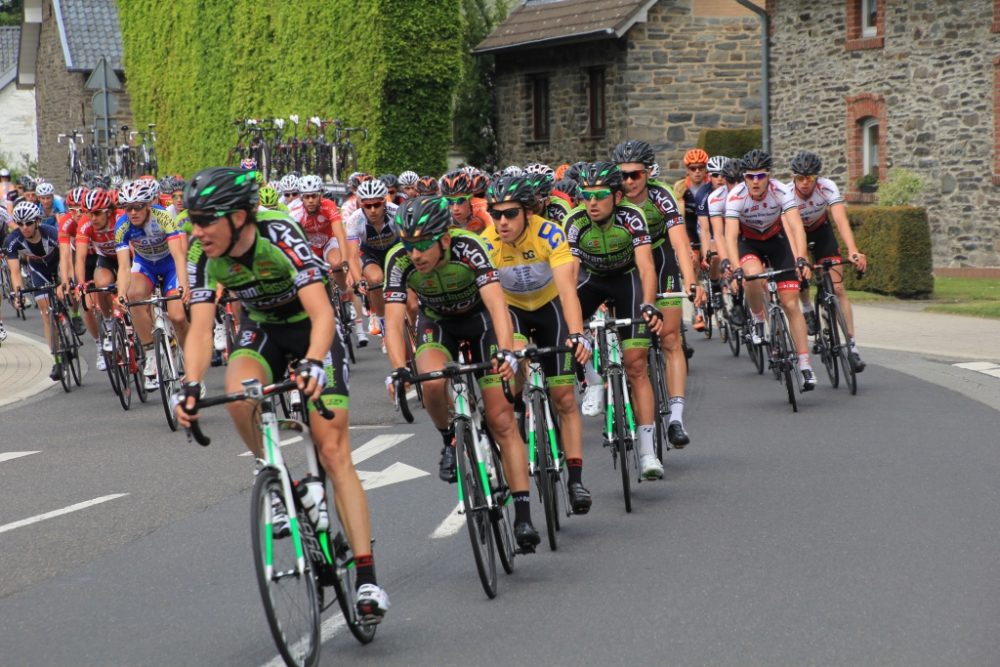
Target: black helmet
<point x="574" y="171"/>
<point x="423" y="217"/>
<point x="806" y="164"/>
<point x="222" y="189"/>
<point x="455" y="183"/>
<point x="511" y="189"/>
<point x="391" y="180"/>
<point x="756" y="159"/>
<point x="733" y="171"/>
<point x="568" y="187"/>
<point x="598" y="174"/>
<point x="541" y="183"/>
<point x="633" y="150"/>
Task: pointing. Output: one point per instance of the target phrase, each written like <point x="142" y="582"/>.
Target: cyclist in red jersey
<point x="456" y="187"/>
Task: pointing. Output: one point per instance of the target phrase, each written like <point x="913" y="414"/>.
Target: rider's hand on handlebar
<point x="508" y="368"/>
<point x="310" y="375"/>
<point x="653" y="317"/>
<point x="581" y="348"/>
<point x="184" y="402"/>
<point x="860" y="261"/>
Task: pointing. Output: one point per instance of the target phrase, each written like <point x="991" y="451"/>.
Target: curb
<point x="39" y="385"/>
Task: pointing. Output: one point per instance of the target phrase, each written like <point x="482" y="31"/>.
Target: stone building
<point x="576" y="77"/>
<point x="62" y="41"/>
<point x="871" y="85"/>
<point x="17" y="134"/>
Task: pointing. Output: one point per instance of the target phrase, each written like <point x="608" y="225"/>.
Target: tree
<point x="11" y="11"/>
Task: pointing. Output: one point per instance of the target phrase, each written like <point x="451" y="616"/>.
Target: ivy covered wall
<point x="392" y="66"/>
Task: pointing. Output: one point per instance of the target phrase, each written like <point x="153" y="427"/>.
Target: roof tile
<point x="92" y="31"/>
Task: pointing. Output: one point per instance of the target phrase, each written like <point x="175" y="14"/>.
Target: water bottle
<point x="310" y="491"/>
<point x="486" y="455"/>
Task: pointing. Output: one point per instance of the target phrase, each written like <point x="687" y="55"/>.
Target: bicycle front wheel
<point x="74" y="355"/>
<point x="289" y="596"/>
<point x="138" y="377"/>
<point x="842" y="348"/>
<point x="784" y="354"/>
<point x="622" y="437"/>
<point x="477" y="518"/>
<point x="168" y="378"/>
<point x="543" y="465"/>
<point x="120" y="367"/>
<point x="63" y="337"/>
<point x="826" y="342"/>
<point x="661" y="402"/>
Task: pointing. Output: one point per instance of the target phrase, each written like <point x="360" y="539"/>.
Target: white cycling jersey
<point x="813" y="210"/>
<point x="759" y="218"/>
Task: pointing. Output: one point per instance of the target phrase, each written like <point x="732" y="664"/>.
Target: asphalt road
<point x="862" y="530"/>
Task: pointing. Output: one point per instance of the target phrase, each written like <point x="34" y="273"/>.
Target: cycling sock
<point x="646" y="440"/>
<point x="676" y="404"/>
<point x="447" y="435"/>
<point x="804" y="361"/>
<point x="575" y="467"/>
<point x="522" y="507"/>
<point x="365" y="571"/>
<point x="853" y="344"/>
<point x="807" y="307"/>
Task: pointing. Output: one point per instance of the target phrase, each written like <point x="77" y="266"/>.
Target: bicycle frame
<point x="607" y="347"/>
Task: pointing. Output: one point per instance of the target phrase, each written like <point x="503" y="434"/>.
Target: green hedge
<point x="730" y="142"/>
<point x="392" y="66"/>
<point x="897" y="240"/>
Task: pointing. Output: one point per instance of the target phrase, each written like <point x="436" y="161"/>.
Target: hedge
<point x="392" y="66"/>
<point x="897" y="241"/>
<point x="730" y="142"/>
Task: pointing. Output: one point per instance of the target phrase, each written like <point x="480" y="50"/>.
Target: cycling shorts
<point x="446" y="334"/>
<point x="105" y="262"/>
<point x="547" y="327"/>
<point x="162" y="273"/>
<point x="41" y="275"/>
<point x="668" y="275"/>
<point x="774" y="253"/>
<point x="624" y="292"/>
<point x="826" y="243"/>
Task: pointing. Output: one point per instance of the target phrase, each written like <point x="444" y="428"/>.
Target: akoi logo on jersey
<point x="247" y="338"/>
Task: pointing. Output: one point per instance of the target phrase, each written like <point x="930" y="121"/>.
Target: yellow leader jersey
<point x="526" y="264"/>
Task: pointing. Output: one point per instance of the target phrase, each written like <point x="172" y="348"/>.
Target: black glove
<point x="725" y="265"/>
<point x="738" y="274"/>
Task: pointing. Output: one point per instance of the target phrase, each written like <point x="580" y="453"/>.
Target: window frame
<point x="541" y="124"/>
<point x="870" y="167"/>
<point x="597" y="102"/>
<point x="869" y="9"/>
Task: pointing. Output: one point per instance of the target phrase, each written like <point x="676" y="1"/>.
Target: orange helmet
<point x="695" y="156"/>
<point x="561" y="170"/>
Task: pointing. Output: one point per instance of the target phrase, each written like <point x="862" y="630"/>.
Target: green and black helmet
<point x="422" y="218"/>
<point x="598" y="174"/>
<point x="222" y="189"/>
<point x="633" y="150"/>
<point x="518" y="189"/>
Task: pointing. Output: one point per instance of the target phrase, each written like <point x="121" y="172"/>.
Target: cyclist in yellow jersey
<point x="538" y="276"/>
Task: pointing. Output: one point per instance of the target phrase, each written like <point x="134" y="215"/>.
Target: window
<point x="598" y="112"/>
<point x="869" y="18"/>
<point x="867" y="127"/>
<point x="869" y="147"/>
<point x="540" y="107"/>
<point x="865" y="25"/>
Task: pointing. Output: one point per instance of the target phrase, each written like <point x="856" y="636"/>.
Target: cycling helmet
<point x="408" y="179"/>
<point x="166" y="184"/>
<point x="390" y="180"/>
<point x="633" y="150"/>
<point x="44" y="188"/>
<point x="695" y="156"/>
<point x="288" y="183"/>
<point x="427" y="185"/>
<point x="27" y="182"/>
<point x="26" y="211"/>
<point x="178" y="184"/>
<point x="4" y="173"/>
<point x="248" y="163"/>
<point x="717" y="163"/>
<point x="222" y="189"/>
<point x="117" y="182"/>
<point x="455" y="183"/>
<point x="733" y="171"/>
<point x="357" y="178"/>
<point x="275" y="184"/>
<point x="756" y="160"/>
<point x="97" y="199"/>
<point x="310" y="183"/>
<point x="373" y="189"/>
<point x="560" y="171"/>
<point x="154" y="186"/>
<point x="75" y="197"/>
<point x="598" y="174"/>
<point x="268" y="197"/>
<point x="512" y="170"/>
<point x="137" y="192"/>
<point x="654" y="170"/>
<point x="542" y="183"/>
<point x="422" y="218"/>
<point x="806" y="164"/>
<point x="539" y="169"/>
<point x="568" y="187"/>
<point x="512" y="189"/>
<point x="479" y="183"/>
<point x="574" y="170"/>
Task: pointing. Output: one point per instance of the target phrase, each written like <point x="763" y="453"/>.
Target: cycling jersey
<point x="318" y="226"/>
<point x="68" y="226"/>
<point x="813" y="210"/>
<point x="101" y="242"/>
<point x="150" y="241"/>
<point x="268" y="278"/>
<point x="348" y="208"/>
<point x="715" y="203"/>
<point x="660" y="209"/>
<point x="609" y="247"/>
<point x="451" y="290"/>
<point x="477" y="223"/>
<point x="558" y="209"/>
<point x="373" y="242"/>
<point x="526" y="265"/>
<point x="759" y="219"/>
<point x="42" y="256"/>
<point x="51" y="219"/>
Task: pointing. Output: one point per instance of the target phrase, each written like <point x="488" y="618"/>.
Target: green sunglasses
<point x="595" y="195"/>
<point x="423" y="245"/>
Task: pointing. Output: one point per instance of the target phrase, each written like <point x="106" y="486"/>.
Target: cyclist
<point x="281" y="285"/>
<point x="460" y="298"/>
<point x="150" y="234"/>
<point x="478" y="182"/>
<point x="67" y="224"/>
<point x="672" y="255"/>
<point x="95" y="237"/>
<point x="612" y="245"/>
<point x="408" y="183"/>
<point x="176" y="189"/>
<point x="370" y="234"/>
<point x="427" y="185"/>
<point x="565" y="196"/>
<point x="289" y="188"/>
<point x="732" y="174"/>
<point x="270" y="199"/>
<point x="537" y="274"/>
<point x="457" y="191"/>
<point x="40" y="245"/>
<point x="350" y="204"/>
<point x="763" y="226"/>
<point x="818" y="200"/>
<point x="717" y="192"/>
<point x="392" y="184"/>
<point x="52" y="206"/>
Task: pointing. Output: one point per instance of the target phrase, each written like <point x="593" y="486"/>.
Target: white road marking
<point x="451" y="524"/>
<point x="283" y="443"/>
<point x="365" y="427"/>
<point x="65" y="510"/>
<point x="10" y="456"/>
<point x="328" y="629"/>
<point x="411" y="395"/>
<point x="394" y="474"/>
<point x="984" y="367"/>
<point x="377" y="445"/>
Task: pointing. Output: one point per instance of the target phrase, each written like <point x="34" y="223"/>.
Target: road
<point x="862" y="530"/>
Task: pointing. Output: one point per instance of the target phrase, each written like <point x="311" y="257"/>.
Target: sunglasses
<point x="595" y="195"/>
<point x="291" y="194"/>
<point x="312" y="195"/>
<point x="805" y="179"/>
<point x="460" y="199"/>
<point x="756" y="176"/>
<point x="715" y="174"/>
<point x="696" y="167"/>
<point x="374" y="206"/>
<point x="422" y="245"/>
<point x="633" y="175"/>
<point x="132" y="208"/>
<point x="509" y="213"/>
<point x="207" y="219"/>
<point x="25" y="224"/>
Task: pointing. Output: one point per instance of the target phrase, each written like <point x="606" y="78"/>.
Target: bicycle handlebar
<point x="153" y="300"/>
<point x="767" y="275"/>
<point x="450" y="370"/>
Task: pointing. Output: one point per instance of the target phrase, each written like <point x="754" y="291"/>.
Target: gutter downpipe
<point x="765" y="78"/>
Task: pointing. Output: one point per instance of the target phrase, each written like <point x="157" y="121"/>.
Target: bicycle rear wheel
<point x="500" y="516"/>
<point x="543" y="464"/>
<point x="290" y="598"/>
<point x="622" y="440"/>
<point x="120" y="367"/>
<point x="661" y="402"/>
<point x="168" y="378"/>
<point x="74" y="354"/>
<point x="842" y="348"/>
<point x="137" y="375"/>
<point x="476" y="513"/>
<point x="825" y="341"/>
<point x="782" y="339"/>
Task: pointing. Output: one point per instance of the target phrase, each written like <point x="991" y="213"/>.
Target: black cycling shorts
<point x="668" y="274"/>
<point x="774" y="253"/>
<point x="826" y="243"/>
<point x="624" y="292"/>
<point x="446" y="334"/>
<point x="547" y="328"/>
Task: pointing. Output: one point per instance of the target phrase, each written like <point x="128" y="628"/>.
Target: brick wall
<point x="936" y="77"/>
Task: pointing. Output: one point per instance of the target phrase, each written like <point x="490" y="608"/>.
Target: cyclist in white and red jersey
<point x="819" y="200"/>
<point x="67" y="224"/>
<point x="763" y="226"/>
<point x="96" y="258"/>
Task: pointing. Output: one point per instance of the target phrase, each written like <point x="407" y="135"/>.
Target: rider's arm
<point x="317" y="304"/>
<point x="198" y="346"/>
<point x="732" y="241"/>
<point x="496" y="304"/>
<point x="124" y="271"/>
<point x="82" y="245"/>
<point x="796" y="232"/>
<point x="177" y="246"/>
<point x="719" y="231"/>
<point x="647" y="271"/>
<point x="838" y="212"/>
<point x="682" y="246"/>
<point x="564" y="276"/>
<point x="15" y="273"/>
<point x="353" y="253"/>
<point x="395" y="345"/>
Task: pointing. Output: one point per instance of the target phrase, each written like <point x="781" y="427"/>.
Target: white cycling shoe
<point x="651" y="467"/>
<point x="593" y="400"/>
<point x="373" y="602"/>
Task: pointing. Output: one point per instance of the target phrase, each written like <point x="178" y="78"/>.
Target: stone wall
<point x="935" y="74"/>
<point x="667" y="79"/>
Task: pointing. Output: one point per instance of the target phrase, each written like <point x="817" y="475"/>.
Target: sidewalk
<point x="907" y="328"/>
<point x="24" y="368"/>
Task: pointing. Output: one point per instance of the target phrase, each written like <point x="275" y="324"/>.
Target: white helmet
<point x="25" y="211"/>
<point x="289" y="183"/>
<point x="310" y="183"/>
<point x="137" y="192"/>
<point x="44" y="188"/>
<point x="717" y="163"/>
<point x="540" y="169"/>
<point x="408" y="178"/>
<point x="373" y="188"/>
<point x="654" y="170"/>
<point x="512" y="170"/>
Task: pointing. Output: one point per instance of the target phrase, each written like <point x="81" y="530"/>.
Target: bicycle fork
<point x="536" y="385"/>
<point x="483" y="462"/>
